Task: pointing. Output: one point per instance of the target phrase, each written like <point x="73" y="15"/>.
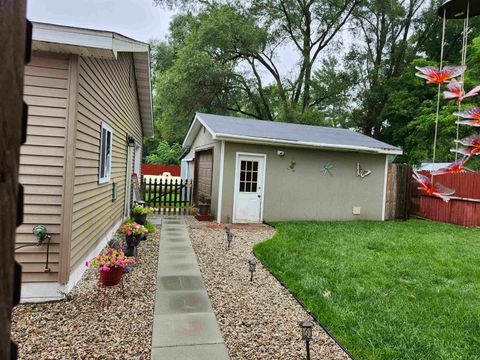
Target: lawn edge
<point x="298" y="300"/>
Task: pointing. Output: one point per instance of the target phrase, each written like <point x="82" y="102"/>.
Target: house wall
<point x="307" y="194"/>
<point x="42" y="162"/>
<point x="106" y="92"/>
<point x="205" y="141"/>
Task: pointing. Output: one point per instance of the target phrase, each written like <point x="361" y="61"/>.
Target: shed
<point x="90" y="106"/>
<point x="256" y="170"/>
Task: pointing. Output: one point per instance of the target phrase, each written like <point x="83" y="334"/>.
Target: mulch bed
<point x="81" y="329"/>
<point x="259" y="319"/>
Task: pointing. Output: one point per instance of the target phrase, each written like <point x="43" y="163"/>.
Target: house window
<point x="105" y="154"/>
<point x="248" y="176"/>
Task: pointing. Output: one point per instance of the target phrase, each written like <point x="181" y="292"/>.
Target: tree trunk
<point x="12" y="36"/>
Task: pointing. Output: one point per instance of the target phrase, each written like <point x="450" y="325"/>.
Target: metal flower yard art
<point x="439" y="77"/>
<point x="447" y="75"/>
<point x="433" y="189"/>
<point x="455" y="91"/>
<point x="472" y="116"/>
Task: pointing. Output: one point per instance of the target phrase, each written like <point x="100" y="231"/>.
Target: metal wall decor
<point x="292" y="165"/>
<point x="361" y="172"/>
<point x="327" y="168"/>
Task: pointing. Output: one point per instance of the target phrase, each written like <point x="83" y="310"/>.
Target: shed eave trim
<point x="338" y="147"/>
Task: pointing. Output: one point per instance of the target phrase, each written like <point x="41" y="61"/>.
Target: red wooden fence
<point x="463" y="209"/>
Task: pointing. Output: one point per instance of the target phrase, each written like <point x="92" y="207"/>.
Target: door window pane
<point x="248" y="176"/>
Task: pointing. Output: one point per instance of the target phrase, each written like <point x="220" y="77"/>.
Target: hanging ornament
<point x="473" y="141"/>
<point x="472" y="115"/>
<point x="455" y="91"/>
<point x="441" y="76"/>
<point x="454" y="168"/>
<point x="429" y="188"/>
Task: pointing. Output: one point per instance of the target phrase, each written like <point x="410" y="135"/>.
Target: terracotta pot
<point x="204" y="209"/>
<point x="140" y="219"/>
<point x="112" y="277"/>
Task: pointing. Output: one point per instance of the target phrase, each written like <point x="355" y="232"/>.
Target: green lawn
<point x="165" y="199"/>
<point x="386" y="290"/>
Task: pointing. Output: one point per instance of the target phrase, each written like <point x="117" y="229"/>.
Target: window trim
<point x="105" y="179"/>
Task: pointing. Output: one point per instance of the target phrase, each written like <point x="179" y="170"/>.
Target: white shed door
<point x="249" y="176"/>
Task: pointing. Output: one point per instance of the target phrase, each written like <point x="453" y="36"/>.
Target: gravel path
<point x="80" y="329"/>
<point x="259" y="320"/>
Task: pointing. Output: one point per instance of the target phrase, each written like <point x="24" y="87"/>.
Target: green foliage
<point x="386" y="290"/>
<point x="165" y="153"/>
<point x="150" y="227"/>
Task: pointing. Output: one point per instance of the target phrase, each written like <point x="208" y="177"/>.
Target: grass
<point x="386" y="290"/>
<point x="165" y="199"/>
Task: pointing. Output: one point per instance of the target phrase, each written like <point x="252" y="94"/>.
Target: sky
<point x="137" y="19"/>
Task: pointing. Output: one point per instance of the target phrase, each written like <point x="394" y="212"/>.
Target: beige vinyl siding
<point x="104" y="94"/>
<point x="42" y="162"/>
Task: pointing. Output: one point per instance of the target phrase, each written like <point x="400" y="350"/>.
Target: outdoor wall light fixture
<point x="130" y="141"/>
<point x="252" y="264"/>
<point x="307" y="327"/>
<point x="42" y="235"/>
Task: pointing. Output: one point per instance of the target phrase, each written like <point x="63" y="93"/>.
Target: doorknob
<point x="259" y="196"/>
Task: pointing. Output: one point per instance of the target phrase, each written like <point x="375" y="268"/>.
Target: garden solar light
<point x="251" y="267"/>
<point x="307" y="327"/>
<point x="229" y="239"/>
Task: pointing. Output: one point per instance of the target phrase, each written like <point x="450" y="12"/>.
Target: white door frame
<point x="236" y="183"/>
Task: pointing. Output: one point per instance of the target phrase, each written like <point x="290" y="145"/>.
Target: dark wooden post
<point x="155" y="193"/>
<point x="170" y="192"/>
<point x="175" y="203"/>
<point x="15" y="53"/>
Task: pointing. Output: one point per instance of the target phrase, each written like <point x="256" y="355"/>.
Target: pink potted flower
<point x="110" y="264"/>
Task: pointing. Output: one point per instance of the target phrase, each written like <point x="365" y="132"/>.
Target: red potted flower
<point x="110" y="264"/>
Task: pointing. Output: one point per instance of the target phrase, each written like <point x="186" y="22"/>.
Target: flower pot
<point x="204" y="209"/>
<point x="112" y="277"/>
<point x="133" y="240"/>
<point x="140" y="219"/>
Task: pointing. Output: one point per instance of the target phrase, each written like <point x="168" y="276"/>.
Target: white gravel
<point x="80" y="329"/>
<point x="259" y="319"/>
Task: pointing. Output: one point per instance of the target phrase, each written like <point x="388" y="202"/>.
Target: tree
<point x="226" y="61"/>
<point x="389" y="36"/>
<point x="165" y="154"/>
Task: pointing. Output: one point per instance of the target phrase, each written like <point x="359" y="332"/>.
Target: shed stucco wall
<point x="307" y="194"/>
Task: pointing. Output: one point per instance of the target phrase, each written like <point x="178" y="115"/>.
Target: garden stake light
<point x="307" y="327"/>
<point x="229" y="239"/>
<point x="251" y="267"/>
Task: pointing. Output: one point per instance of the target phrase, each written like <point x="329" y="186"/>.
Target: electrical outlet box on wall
<point x="356" y="210"/>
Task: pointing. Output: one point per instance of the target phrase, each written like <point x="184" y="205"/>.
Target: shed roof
<point x="101" y="44"/>
<point x="236" y="129"/>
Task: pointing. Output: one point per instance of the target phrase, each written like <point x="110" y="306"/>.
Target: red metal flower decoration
<point x="473" y="141"/>
<point x="435" y="76"/>
<point x="472" y="114"/>
<point x="454" y="168"/>
<point x="455" y="91"/>
<point x="436" y="189"/>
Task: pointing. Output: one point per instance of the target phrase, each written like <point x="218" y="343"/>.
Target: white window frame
<point x="106" y="178"/>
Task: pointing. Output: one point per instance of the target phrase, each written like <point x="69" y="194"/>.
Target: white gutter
<point x="255" y="140"/>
